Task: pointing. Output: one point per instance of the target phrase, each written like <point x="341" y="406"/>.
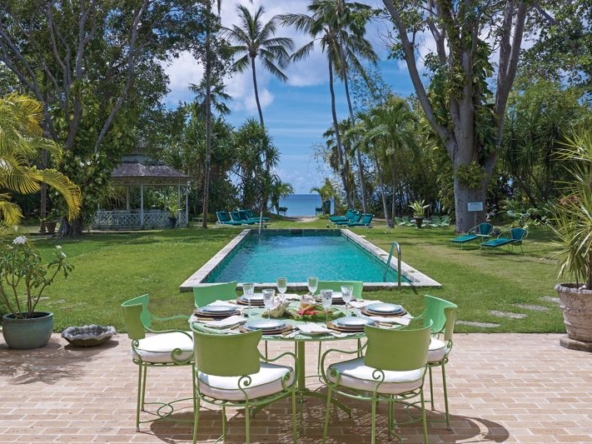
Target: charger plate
<point x="384" y="309"/>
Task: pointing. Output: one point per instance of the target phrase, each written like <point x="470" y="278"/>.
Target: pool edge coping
<point x="418" y="278"/>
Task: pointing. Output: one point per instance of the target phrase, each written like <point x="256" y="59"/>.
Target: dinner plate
<point x="381" y="308"/>
<point x="218" y="308"/>
<point x="353" y="322"/>
<point x="256" y="300"/>
<point x="266" y="325"/>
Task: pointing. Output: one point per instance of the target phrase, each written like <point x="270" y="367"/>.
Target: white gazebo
<point x="138" y="170"/>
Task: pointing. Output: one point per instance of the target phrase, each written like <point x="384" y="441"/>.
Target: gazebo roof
<point x="140" y="170"/>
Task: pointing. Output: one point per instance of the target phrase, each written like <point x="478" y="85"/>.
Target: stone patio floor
<point x="515" y="388"/>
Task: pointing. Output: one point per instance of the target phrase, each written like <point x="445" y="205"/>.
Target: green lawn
<point x="111" y="268"/>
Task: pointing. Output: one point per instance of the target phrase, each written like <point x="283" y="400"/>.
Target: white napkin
<point x="313" y="329"/>
<point x="362" y="303"/>
<point x="402" y="320"/>
<point x="291" y="297"/>
<point x="226" y="322"/>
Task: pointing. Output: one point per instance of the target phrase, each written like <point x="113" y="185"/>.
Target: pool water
<point x="297" y="256"/>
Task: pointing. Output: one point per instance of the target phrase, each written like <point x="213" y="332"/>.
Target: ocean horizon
<point x="301" y="205"/>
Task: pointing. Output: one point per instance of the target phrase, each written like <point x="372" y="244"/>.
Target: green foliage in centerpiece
<point x="314" y="313"/>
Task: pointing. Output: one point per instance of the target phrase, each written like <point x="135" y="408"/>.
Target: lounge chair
<point x="224" y="219"/>
<point x="357" y="217"/>
<point x="433" y="222"/>
<point x="517" y="235"/>
<point x="347" y="217"/>
<point x="236" y="217"/>
<point x="400" y="222"/>
<point x="252" y="216"/>
<point x="365" y="222"/>
<point x="408" y="222"/>
<point x="444" y="221"/>
<point x="481" y="231"/>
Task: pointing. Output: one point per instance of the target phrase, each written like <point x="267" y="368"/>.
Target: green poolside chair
<point x="224" y="219"/>
<point x="517" y="236"/>
<point x="481" y="231"/>
<point x="357" y="217"/>
<point x="236" y="217"/>
<point x="400" y="222"/>
<point x="251" y="215"/>
<point x="365" y="222"/>
<point x="347" y="217"/>
<point x="408" y="222"/>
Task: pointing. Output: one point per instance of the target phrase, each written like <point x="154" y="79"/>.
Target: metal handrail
<point x="388" y="261"/>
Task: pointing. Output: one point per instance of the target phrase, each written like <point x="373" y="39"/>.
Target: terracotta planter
<point x="576" y="304"/>
<point x="27" y="333"/>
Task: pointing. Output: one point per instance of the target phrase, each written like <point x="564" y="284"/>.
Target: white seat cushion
<point x="157" y="348"/>
<point x="356" y="375"/>
<point x="438" y="350"/>
<point x="266" y="382"/>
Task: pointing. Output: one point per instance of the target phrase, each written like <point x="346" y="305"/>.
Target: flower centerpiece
<point x="23" y="279"/>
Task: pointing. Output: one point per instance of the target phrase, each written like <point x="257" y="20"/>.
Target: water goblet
<point x="248" y="292"/>
<point x="268" y="295"/>
<point x="313" y="283"/>
<point x="326" y="300"/>
<point x="347" y="294"/>
<point x="282" y="286"/>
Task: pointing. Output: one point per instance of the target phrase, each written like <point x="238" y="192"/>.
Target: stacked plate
<point x="352" y="323"/>
<point x="382" y="309"/>
<point x="267" y="326"/>
<point x="337" y="298"/>
<point x="256" y="300"/>
<point x="216" y="311"/>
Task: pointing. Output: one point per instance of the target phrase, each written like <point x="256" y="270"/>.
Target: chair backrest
<point x="226" y="355"/>
<point x="518" y="234"/>
<point x="484" y="228"/>
<point x="356" y="218"/>
<point x="250" y="214"/>
<point x="336" y="286"/>
<point x="207" y="293"/>
<point x="442" y="315"/>
<point x="222" y="216"/>
<point x="350" y="213"/>
<point x="136" y="316"/>
<point x="397" y="350"/>
<point x="367" y="218"/>
<point x="234" y="216"/>
<point x="242" y="214"/>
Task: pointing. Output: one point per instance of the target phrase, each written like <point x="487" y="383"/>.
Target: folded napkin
<point x="401" y="320"/>
<point x="362" y="303"/>
<point x="226" y="322"/>
<point x="312" y="329"/>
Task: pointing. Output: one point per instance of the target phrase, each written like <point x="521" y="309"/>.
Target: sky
<point x="298" y="112"/>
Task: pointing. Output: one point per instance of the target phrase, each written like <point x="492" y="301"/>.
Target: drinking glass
<point x="326" y="300"/>
<point x="248" y="292"/>
<point x="282" y="286"/>
<point x="268" y="295"/>
<point x="347" y="292"/>
<point x="313" y="283"/>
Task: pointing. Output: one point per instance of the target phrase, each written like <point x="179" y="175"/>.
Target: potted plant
<point x="174" y="208"/>
<point x="572" y="224"/>
<point x="418" y="208"/>
<point x="23" y="280"/>
<point x="49" y="222"/>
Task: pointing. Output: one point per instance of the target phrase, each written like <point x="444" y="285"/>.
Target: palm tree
<point x="254" y="39"/>
<point x="21" y="143"/>
<point x="340" y="27"/>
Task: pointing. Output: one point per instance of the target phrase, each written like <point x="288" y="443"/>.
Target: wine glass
<point x="268" y="295"/>
<point x="347" y="294"/>
<point x="282" y="286"/>
<point x="248" y="292"/>
<point x="326" y="300"/>
<point x="313" y="283"/>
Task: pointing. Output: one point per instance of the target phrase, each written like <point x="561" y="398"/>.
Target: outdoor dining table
<point x="251" y="314"/>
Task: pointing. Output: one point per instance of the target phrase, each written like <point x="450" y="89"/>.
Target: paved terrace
<point x="514" y="388"/>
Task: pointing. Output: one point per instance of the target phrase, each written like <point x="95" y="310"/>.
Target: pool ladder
<point x="394" y="245"/>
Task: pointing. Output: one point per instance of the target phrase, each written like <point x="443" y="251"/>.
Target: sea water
<point x="301" y="205"/>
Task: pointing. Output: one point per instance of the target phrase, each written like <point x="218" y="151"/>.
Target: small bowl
<point x="88" y="335"/>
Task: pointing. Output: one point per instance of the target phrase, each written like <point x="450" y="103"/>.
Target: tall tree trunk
<point x="342" y="171"/>
<point x="256" y="89"/>
<point x="208" y="103"/>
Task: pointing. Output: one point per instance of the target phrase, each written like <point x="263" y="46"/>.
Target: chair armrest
<point x="169" y="318"/>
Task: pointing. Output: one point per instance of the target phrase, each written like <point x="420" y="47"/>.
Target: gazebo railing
<point x="131" y="220"/>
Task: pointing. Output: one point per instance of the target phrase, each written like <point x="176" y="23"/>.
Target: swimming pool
<point x="297" y="254"/>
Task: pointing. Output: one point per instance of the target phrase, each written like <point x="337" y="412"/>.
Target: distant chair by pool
<point x="481" y="231"/>
<point x="349" y="214"/>
<point x="517" y="236"/>
<point x="365" y="222"/>
<point x="224" y="219"/>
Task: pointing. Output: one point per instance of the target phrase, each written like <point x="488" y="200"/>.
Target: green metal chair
<point x="207" y="293"/>
<point x="230" y="372"/>
<point x="392" y="370"/>
<point x="441" y="315"/>
<point x="516" y="237"/>
<point x="164" y="348"/>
